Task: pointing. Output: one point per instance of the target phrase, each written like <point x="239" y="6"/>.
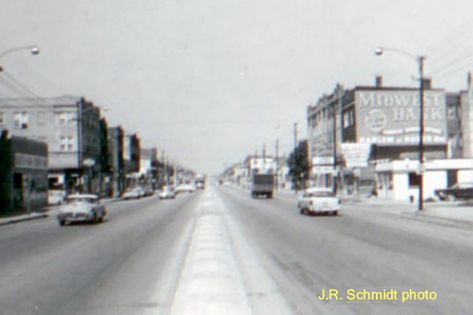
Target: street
<point x="218" y="251"/>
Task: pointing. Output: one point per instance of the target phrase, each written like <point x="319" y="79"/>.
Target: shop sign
<point x="30" y="161"/>
<point x="356" y="154"/>
<point x="392" y="117"/>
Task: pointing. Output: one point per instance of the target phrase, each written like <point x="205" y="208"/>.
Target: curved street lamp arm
<point x="33" y="48"/>
<point x="380" y="50"/>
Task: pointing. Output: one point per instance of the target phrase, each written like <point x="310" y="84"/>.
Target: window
<point x="348" y="118"/>
<point x="21" y="120"/>
<point x="65" y="118"/>
<point x="413" y="180"/>
<point x="66" y="143"/>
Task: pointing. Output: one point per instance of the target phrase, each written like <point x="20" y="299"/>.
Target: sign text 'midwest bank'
<point x="392" y="116"/>
<point x="401" y="99"/>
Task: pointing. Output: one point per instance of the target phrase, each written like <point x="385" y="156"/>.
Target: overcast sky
<point x="210" y="81"/>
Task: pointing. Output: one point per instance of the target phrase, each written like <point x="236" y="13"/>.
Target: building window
<point x="65" y="118"/>
<point x="41" y="118"/>
<point x="66" y="143"/>
<point x="413" y="180"/>
<point x="21" y="120"/>
<point x="452" y="112"/>
<point x="348" y="118"/>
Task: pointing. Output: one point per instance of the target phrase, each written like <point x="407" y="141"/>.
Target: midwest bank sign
<point x="392" y="117"/>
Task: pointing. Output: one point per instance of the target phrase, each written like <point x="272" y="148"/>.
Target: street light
<point x="420" y="60"/>
<point x="34" y="50"/>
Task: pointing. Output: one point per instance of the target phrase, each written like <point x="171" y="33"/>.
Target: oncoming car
<point x="81" y="208"/>
<point x="319" y="201"/>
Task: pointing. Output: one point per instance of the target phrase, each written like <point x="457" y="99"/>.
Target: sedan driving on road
<point x="319" y="200"/>
<point x="81" y="208"/>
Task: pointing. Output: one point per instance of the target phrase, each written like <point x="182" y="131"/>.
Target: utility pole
<point x="334" y="143"/>
<point x="263" y="166"/>
<point x="421" y="135"/>
<point x="277" y="165"/>
<point x="295" y="157"/>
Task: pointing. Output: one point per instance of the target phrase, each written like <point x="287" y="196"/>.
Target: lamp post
<point x="420" y="60"/>
<point x="34" y="50"/>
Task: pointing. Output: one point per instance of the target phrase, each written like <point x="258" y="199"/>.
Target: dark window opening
<point x="414" y="180"/>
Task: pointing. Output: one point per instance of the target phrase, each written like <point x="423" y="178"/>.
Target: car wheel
<point x="62" y="222"/>
<point x="302" y="211"/>
<point x="335" y="213"/>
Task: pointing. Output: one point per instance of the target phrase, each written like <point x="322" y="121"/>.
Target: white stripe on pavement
<point x="211" y="282"/>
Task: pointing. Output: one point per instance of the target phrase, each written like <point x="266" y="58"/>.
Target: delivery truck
<point x="262" y="185"/>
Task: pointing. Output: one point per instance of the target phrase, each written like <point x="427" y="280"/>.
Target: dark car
<point x="457" y="191"/>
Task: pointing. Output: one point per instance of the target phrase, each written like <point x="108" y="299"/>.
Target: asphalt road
<point x="220" y="252"/>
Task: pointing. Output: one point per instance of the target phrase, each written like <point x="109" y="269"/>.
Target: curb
<point x="22" y="219"/>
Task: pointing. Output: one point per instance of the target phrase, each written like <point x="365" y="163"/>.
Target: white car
<point x="133" y="193"/>
<point x="56" y="197"/>
<point x="81" y="208"/>
<point x="167" y="193"/>
<point x="319" y="200"/>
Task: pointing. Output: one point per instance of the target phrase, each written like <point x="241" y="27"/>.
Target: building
<point x="115" y="148"/>
<point x="131" y="158"/>
<point x="23" y="174"/>
<point x="384" y="122"/>
<point x="149" y="167"/>
<point x="259" y="165"/>
<point x="71" y="128"/>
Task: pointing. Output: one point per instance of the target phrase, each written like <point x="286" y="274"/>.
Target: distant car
<point x="319" y="200"/>
<point x="56" y="196"/>
<point x="148" y="191"/>
<point x="81" y="208"/>
<point x="457" y="191"/>
<point x="167" y="193"/>
<point x="182" y="188"/>
<point x="133" y="193"/>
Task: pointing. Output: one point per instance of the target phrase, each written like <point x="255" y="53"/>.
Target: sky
<point x="211" y="81"/>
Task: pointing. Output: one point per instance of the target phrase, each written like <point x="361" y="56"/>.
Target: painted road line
<point x="211" y="282"/>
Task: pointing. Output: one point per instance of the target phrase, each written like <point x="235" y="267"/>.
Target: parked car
<point x="148" y="191"/>
<point x="56" y="196"/>
<point x="457" y="191"/>
<point x="81" y="208"/>
<point x="319" y="200"/>
<point x="133" y="193"/>
<point x="167" y="193"/>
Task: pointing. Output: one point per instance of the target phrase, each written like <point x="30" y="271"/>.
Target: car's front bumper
<point x="75" y="217"/>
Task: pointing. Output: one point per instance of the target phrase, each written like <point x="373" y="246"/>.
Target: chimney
<point x="379" y="81"/>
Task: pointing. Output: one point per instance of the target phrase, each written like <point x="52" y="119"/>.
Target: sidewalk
<point x="458" y="212"/>
<point x="23" y="217"/>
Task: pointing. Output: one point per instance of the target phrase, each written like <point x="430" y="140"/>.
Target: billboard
<point x="391" y="117"/>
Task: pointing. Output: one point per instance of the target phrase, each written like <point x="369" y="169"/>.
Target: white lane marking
<point x="211" y="282"/>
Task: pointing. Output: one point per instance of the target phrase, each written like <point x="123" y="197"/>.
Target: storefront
<point x="399" y="180"/>
<point x="24" y="180"/>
